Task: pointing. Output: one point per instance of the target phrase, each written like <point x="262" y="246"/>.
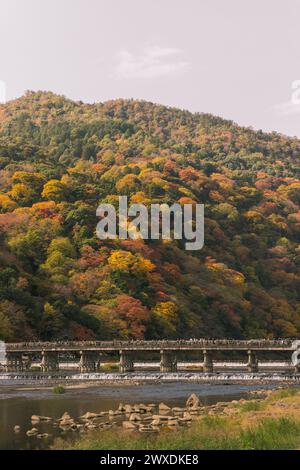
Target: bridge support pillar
<point x="89" y="361"/>
<point x="126" y="362"/>
<point x="208" y="365"/>
<point x="252" y="364"/>
<point x="296" y="361"/>
<point x="26" y="362"/>
<point x="50" y="362"/>
<point x="168" y="361"/>
<point x="14" y="362"/>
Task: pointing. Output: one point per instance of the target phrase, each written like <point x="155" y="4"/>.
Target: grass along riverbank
<point x="269" y="423"/>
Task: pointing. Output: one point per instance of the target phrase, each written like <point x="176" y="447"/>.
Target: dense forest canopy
<point x="59" y="159"/>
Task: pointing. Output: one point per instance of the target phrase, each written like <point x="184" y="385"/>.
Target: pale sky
<point x="236" y="59"/>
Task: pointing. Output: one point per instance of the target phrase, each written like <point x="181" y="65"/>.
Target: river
<point x="19" y="401"/>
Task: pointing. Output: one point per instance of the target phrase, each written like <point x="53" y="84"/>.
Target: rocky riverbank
<point x="143" y="418"/>
<point x="139" y="418"/>
<point x="271" y="421"/>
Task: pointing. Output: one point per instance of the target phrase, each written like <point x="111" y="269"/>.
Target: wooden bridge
<point x="89" y="354"/>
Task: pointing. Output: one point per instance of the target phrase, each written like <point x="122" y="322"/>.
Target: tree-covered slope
<point x="60" y="159"/>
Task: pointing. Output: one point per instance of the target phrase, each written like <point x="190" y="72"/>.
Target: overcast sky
<point x="237" y="59"/>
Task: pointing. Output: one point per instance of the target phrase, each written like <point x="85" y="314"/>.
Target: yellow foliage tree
<point x="166" y="314"/>
<point x="6" y="203"/>
<point x="125" y="261"/>
<point x="54" y="190"/>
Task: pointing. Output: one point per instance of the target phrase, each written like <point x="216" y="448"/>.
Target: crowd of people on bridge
<point x="155" y="344"/>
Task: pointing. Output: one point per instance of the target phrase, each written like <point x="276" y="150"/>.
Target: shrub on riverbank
<point x="109" y="367"/>
<point x="59" y="389"/>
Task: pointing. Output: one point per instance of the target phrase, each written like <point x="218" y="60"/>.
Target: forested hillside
<point x="59" y="159"/>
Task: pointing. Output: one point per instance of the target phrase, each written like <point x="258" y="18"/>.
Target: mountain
<point x="59" y="159"/>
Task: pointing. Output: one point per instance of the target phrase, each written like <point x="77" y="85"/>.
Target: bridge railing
<point x="154" y="344"/>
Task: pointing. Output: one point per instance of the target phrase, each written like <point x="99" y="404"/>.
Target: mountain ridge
<point x="59" y="159"/>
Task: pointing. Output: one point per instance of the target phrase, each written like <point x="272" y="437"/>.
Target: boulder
<point x="128" y="425"/>
<point x="128" y="409"/>
<point x="148" y="429"/>
<point x="136" y="409"/>
<point x="91" y="426"/>
<point x="155" y="422"/>
<point x="161" y="417"/>
<point x="121" y="408"/>
<point x="45" y="435"/>
<point x="163" y="407"/>
<point x="89" y="415"/>
<point x="135" y="417"/>
<point x="147" y="417"/>
<point x="35" y="419"/>
<point x="144" y="408"/>
<point x="32" y="432"/>
<point x="75" y="427"/>
<point x="176" y="409"/>
<point x="45" y="418"/>
<point x="193" y="401"/>
<point x="65" y="416"/>
<point x="149" y="409"/>
<point x="173" y="422"/>
<point x="65" y="423"/>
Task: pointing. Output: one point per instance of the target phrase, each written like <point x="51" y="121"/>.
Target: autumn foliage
<point x="60" y="159"/>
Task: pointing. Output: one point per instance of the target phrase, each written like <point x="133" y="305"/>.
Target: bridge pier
<point x="26" y="362"/>
<point x="252" y="364"/>
<point x="168" y="361"/>
<point x="50" y="362"/>
<point x="89" y="361"/>
<point x="14" y="362"/>
<point x="295" y="362"/>
<point x="126" y="362"/>
<point x="208" y="365"/>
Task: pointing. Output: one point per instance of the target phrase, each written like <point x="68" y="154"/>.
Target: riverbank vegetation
<point x="262" y="424"/>
<point x="59" y="390"/>
<point x="60" y="159"/>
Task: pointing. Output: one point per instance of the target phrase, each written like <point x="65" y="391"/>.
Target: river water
<point x="19" y="401"/>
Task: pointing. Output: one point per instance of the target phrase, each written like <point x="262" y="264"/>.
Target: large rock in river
<point x="163" y="407"/>
<point x="193" y="401"/>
